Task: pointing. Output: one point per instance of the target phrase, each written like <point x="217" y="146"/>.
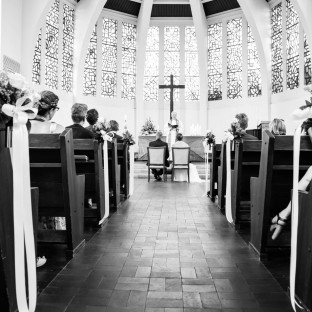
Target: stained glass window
<point x="307" y="62"/>
<point x="277" y="49"/>
<point x="109" y="58"/>
<point x="151" y="70"/>
<point x="215" y="62"/>
<point x="89" y="75"/>
<point x="128" y="61"/>
<point x="254" y="74"/>
<point x="234" y="58"/>
<point x="52" y="42"/>
<point x="36" y="69"/>
<point x="171" y="59"/>
<point x="292" y="46"/>
<point x="191" y="65"/>
<point x="68" y="48"/>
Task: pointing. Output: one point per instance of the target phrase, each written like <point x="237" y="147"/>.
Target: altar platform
<point x="195" y="143"/>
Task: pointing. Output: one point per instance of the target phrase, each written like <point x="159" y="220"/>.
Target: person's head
<point x="277" y="126"/>
<point x="306" y="125"/>
<point x="243" y="120"/>
<point x="92" y="116"/>
<point x="158" y="135"/>
<point x="179" y="137"/>
<point x="113" y="125"/>
<point x="79" y="112"/>
<point x="174" y="114"/>
<point x="47" y="105"/>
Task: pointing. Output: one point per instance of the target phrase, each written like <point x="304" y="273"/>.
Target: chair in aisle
<point x="181" y="160"/>
<point x="156" y="159"/>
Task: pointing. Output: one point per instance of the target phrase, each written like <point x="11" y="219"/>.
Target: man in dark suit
<point x="159" y="143"/>
<point x="78" y="114"/>
<point x="243" y="121"/>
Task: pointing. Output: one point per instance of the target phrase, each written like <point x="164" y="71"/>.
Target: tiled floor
<point x="167" y="249"/>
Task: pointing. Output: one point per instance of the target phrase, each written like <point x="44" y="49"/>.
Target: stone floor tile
<point x="191" y="300"/>
<point x="173" y="284"/>
<point x="137" y="299"/>
<point x="188" y="273"/>
<point x="210" y="300"/>
<point x="198" y="288"/>
<point x="165" y="294"/>
<point x="164" y="303"/>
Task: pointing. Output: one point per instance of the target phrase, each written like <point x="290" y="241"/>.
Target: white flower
<point x="17" y="81"/>
<point x="228" y="136"/>
<point x="235" y="120"/>
<point x="308" y="88"/>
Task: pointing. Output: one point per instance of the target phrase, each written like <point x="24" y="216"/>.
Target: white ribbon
<point x="206" y="168"/>
<point x="228" y="198"/>
<point x="294" y="218"/>
<point x="23" y="221"/>
<point x="106" y="138"/>
<point x="131" y="178"/>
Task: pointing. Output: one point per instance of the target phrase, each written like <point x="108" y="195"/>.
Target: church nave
<point x="167" y="248"/>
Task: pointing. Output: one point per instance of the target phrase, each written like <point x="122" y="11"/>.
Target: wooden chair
<point x="270" y="192"/>
<point x="89" y="161"/>
<point x="52" y="169"/>
<point x="215" y="162"/>
<point x="181" y="160"/>
<point x="156" y="159"/>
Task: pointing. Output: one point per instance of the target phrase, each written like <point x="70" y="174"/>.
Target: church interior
<point x="91" y="219"/>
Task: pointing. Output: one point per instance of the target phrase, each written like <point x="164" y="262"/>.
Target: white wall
<point x="11" y="32"/>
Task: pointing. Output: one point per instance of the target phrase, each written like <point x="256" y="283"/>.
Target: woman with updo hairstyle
<point x="277" y="126"/>
<point x="47" y="107"/>
<point x="92" y="118"/>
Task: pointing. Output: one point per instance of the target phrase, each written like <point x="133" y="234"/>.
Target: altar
<point x="195" y="143"/>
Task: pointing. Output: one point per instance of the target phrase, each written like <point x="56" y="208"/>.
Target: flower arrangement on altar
<point x="148" y="127"/>
<point x="127" y="137"/>
<point x="13" y="87"/>
<point x="210" y="138"/>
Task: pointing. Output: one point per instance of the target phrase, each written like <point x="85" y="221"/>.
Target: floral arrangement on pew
<point x="148" y="127"/>
<point x="101" y="127"/>
<point x="127" y="137"/>
<point x="13" y="87"/>
<point x="235" y="132"/>
<point x="210" y="138"/>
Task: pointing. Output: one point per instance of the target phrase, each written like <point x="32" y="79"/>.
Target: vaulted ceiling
<point x="171" y="10"/>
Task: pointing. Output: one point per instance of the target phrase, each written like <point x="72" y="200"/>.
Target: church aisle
<point x="167" y="249"/>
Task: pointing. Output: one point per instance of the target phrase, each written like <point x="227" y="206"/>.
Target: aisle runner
<point x="23" y="220"/>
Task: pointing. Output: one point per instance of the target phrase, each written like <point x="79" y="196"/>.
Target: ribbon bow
<point x="20" y="113"/>
<point x="107" y="136"/>
<point x="23" y="222"/>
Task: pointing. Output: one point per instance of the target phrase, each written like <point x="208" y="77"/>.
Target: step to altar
<point x="140" y="169"/>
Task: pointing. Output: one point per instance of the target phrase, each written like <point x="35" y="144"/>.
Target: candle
<point x="125" y="118"/>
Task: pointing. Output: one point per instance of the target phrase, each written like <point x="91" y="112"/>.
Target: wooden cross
<point x="171" y="87"/>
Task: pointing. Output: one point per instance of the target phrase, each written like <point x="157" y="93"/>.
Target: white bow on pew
<point x="106" y="137"/>
<point x="228" y="204"/>
<point x="23" y="221"/>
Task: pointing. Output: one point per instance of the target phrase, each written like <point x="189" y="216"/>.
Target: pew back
<point x="52" y="169"/>
<point x="123" y="161"/>
<point x="215" y="162"/>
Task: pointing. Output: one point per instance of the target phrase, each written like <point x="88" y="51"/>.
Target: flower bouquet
<point x="210" y="138"/>
<point x="235" y="132"/>
<point x="101" y="128"/>
<point x="128" y="138"/>
<point x="148" y="127"/>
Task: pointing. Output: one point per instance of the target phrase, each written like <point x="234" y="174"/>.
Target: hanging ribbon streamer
<point x="106" y="138"/>
<point x="131" y="182"/>
<point x="22" y="209"/>
<point x="206" y="168"/>
<point x="295" y="218"/>
<point x="228" y="203"/>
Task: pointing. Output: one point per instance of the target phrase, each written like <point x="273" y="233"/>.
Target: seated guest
<point x="159" y="143"/>
<point x="78" y="114"/>
<point x="113" y="128"/>
<point x="92" y="118"/>
<point x="281" y="219"/>
<point x="47" y="107"/>
<point x="277" y="126"/>
<point x="181" y="174"/>
<point x="243" y="122"/>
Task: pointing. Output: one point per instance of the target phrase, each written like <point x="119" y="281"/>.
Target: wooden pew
<point x="270" y="192"/>
<point x="246" y="165"/>
<point x="52" y="169"/>
<point x="114" y="174"/>
<point x="7" y="268"/>
<point x="123" y="161"/>
<point x="304" y="255"/>
<point x="215" y="162"/>
<point x="91" y="165"/>
<point x="222" y="175"/>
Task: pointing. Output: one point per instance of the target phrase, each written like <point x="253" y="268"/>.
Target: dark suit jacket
<point x="249" y="137"/>
<point x="160" y="143"/>
<point x="79" y="132"/>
